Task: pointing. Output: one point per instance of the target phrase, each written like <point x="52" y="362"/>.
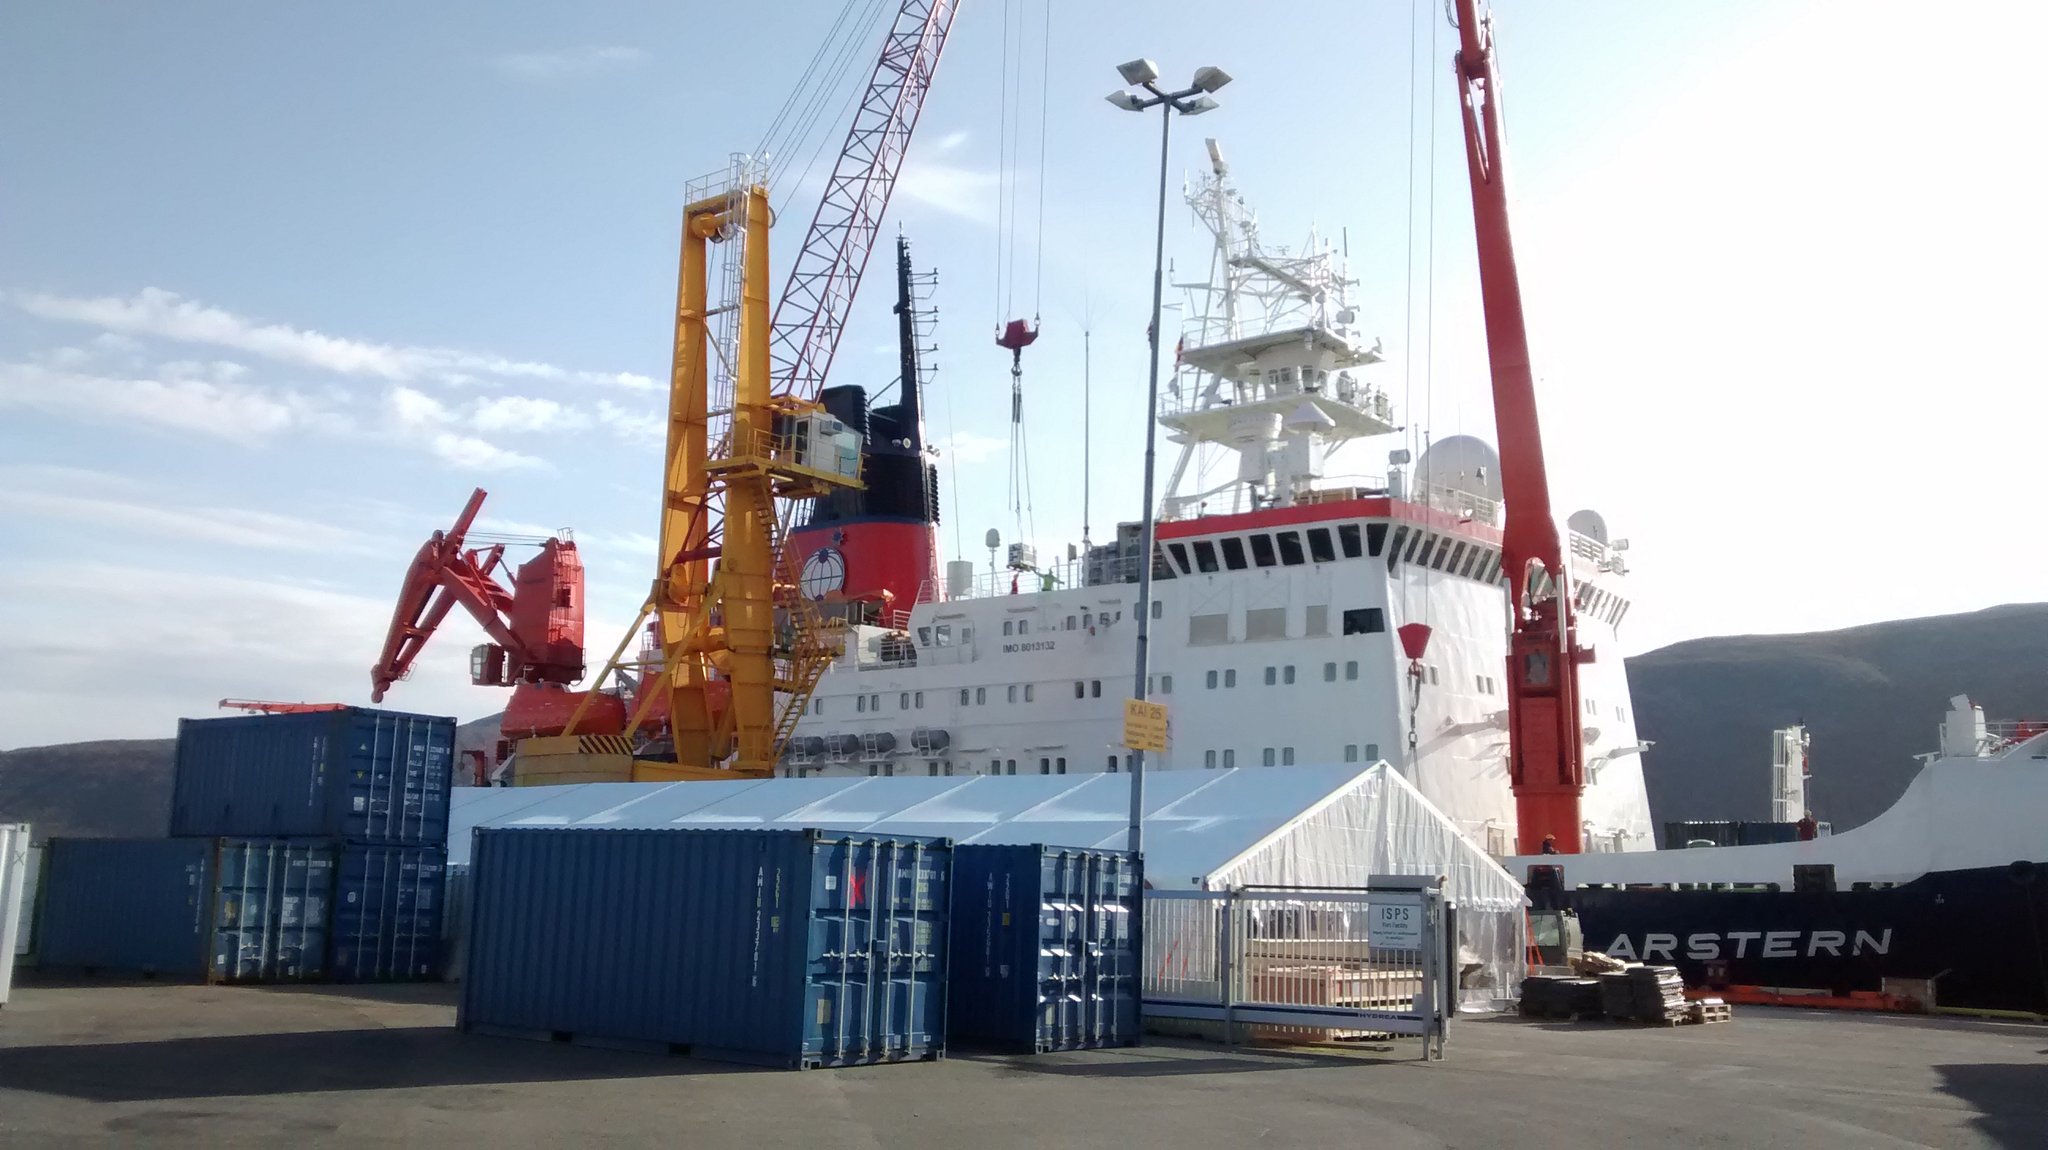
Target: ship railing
<point x="1060" y="575"/>
<point x="1189" y="392"/>
<point x="1338" y="488"/>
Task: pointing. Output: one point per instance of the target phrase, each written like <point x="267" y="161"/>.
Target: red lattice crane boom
<point x="811" y="312"/>
<point x="1546" y="742"/>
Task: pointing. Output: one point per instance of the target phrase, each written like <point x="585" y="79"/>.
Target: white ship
<point x="1281" y="590"/>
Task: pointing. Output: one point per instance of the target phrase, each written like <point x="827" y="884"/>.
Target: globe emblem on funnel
<point x="824" y="572"/>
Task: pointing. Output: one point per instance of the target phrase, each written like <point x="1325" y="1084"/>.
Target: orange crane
<point x="1546" y="740"/>
<point x="535" y="628"/>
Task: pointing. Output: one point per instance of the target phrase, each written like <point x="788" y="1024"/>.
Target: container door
<point x="907" y="1008"/>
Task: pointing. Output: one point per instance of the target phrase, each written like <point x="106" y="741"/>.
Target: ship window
<point x="1479" y="683"/>
<point x="1212" y="680"/>
<point x="1457" y="556"/>
<point x="1208" y="630"/>
<point x="1009" y="766"/>
<point x="967" y="633"/>
<point x="1013" y="693"/>
<point x="1364" y="621"/>
<point x="981" y="696"/>
<point x="1272" y="676"/>
<point x="1471" y="561"/>
<point x="1351" y="752"/>
<point x="924" y="636"/>
<point x="1095" y="688"/>
<point x="1158" y="609"/>
<point x="1287" y="675"/>
<point x="1265" y="623"/>
<point x="1320" y="548"/>
<point x="903" y="701"/>
<point x="1433" y="551"/>
<point x="1266" y="757"/>
<point x="995" y="766"/>
<point x="1262" y="550"/>
<point x="1030" y="692"/>
<point x="1351" y="670"/>
<point x="1372" y="752"/>
<point x="1233" y="553"/>
<point x="931" y="767"/>
<point x="1349" y="537"/>
<point x="1316" y="619"/>
<point x="1111" y="768"/>
<point x="1209" y="759"/>
<point x="945" y="634"/>
<point x="920" y="700"/>
<point x="1088" y="619"/>
<point x="1329" y="672"/>
<point x="860" y="702"/>
<point x="1166" y="684"/>
<point x="1080" y="689"/>
<point x="1070" y="622"/>
<point x="1230" y="676"/>
<point x="1290" y="548"/>
<point x="1287" y="756"/>
<point x="818" y="707"/>
<point x="1180" y="558"/>
<point x="1045" y="766"/>
<point x="1009" y="628"/>
<point x="1205" y="555"/>
<point x="1394" y="552"/>
<point x="1059" y="766"/>
<point x="874" y="769"/>
<point x="1375" y="538"/>
<point x="1023" y="625"/>
<point x="1415" y="539"/>
<point x="1432" y="676"/>
<point x="1229" y="757"/>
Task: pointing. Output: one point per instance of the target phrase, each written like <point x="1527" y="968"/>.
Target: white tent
<point x="1295" y="826"/>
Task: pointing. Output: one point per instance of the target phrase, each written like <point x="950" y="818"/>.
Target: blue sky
<point x="280" y="284"/>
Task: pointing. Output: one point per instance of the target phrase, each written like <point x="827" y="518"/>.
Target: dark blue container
<point x="387" y="913"/>
<point x="1044" y="948"/>
<point x="229" y="910"/>
<point x="786" y="948"/>
<point x="359" y="774"/>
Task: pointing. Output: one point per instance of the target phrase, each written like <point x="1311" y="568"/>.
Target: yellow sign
<point x="1144" y="725"/>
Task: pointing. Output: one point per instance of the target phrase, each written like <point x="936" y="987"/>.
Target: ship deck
<point x="89" y="1063"/>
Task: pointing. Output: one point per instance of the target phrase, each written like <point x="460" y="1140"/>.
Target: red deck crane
<point x="535" y="627"/>
<point x="1546" y="743"/>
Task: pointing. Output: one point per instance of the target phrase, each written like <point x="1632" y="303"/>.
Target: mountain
<point x="1872" y="698"/>
<point x="113" y="789"/>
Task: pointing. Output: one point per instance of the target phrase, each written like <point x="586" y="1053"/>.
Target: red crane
<point x="1546" y="745"/>
<point x="535" y="627"/>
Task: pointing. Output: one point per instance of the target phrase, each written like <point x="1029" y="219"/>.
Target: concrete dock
<point x="97" y="1062"/>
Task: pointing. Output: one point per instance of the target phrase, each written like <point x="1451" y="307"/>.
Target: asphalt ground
<point x="132" y="1063"/>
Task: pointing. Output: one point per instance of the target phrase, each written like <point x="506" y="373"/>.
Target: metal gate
<point x="1304" y="963"/>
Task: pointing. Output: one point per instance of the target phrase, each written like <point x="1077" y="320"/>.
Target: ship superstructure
<point x="1299" y="615"/>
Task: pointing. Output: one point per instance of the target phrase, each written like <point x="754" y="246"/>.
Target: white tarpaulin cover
<point x="1296" y="826"/>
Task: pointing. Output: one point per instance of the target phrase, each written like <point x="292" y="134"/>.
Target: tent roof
<point x="1197" y="823"/>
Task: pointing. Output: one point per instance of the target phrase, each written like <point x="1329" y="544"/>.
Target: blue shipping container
<point x="387" y="913"/>
<point x="787" y="948"/>
<point x="1045" y="948"/>
<point x="359" y="774"/>
<point x="230" y="910"/>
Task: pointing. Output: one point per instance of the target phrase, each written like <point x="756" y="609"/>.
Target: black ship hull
<point x="1981" y="935"/>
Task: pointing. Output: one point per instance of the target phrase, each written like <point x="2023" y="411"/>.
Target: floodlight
<point x="1138" y="72"/>
<point x="1209" y="79"/>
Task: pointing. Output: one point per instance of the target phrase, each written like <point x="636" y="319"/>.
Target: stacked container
<point x="304" y="846"/>
<point x="1044" y="948"/>
<point x="796" y="948"/>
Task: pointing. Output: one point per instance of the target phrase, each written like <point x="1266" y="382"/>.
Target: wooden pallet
<point x="1704" y="1012"/>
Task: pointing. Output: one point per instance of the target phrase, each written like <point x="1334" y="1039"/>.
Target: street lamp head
<point x="1211" y="78"/>
<point x="1138" y="72"/>
<point x="1197" y="106"/>
<point x="1127" y="101"/>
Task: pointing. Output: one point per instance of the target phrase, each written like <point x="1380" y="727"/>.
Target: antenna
<point x="1085" y="433"/>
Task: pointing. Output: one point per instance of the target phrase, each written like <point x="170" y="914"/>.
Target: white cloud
<point x="161" y="314"/>
<point x="524" y="413"/>
<point x="965" y="192"/>
<point x="100" y="499"/>
<point x="223" y="410"/>
<point x="633" y="426"/>
<point x="470" y="453"/>
<point x="417" y="411"/>
<point x="951" y="141"/>
<point x="968" y="448"/>
<point x="568" y="63"/>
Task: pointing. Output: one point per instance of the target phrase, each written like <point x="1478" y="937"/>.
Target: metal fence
<point x="1304" y="963"/>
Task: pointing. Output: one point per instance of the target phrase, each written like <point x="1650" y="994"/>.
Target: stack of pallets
<point x="1658" y="995"/>
<point x="1556" y="996"/>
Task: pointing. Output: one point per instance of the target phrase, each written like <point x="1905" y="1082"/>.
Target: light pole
<point x="1190" y="101"/>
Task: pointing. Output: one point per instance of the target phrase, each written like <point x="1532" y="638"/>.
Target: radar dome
<point x="1464" y="463"/>
<point x="1589" y="524"/>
